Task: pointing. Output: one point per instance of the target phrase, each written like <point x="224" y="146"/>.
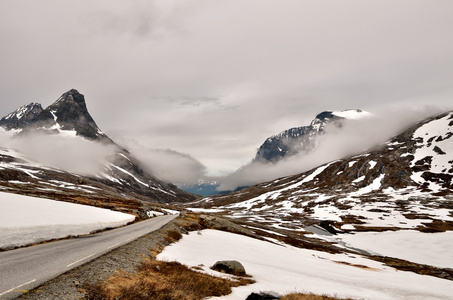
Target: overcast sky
<point x="213" y="79"/>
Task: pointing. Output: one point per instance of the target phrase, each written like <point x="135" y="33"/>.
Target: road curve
<point x="26" y="268"/>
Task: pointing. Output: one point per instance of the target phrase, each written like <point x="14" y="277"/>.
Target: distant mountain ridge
<point x="69" y="116"/>
<point x="405" y="183"/>
<point x="304" y="138"/>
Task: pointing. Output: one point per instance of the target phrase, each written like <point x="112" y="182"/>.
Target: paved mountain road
<point x="25" y="268"/>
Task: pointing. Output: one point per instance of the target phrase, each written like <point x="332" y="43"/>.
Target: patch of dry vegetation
<point x="160" y="280"/>
<point x="436" y="226"/>
<point x="404" y="265"/>
<point x="357" y="266"/>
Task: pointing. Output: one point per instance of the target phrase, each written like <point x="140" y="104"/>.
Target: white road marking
<point x="113" y="246"/>
<point x="81" y="260"/>
<point x="17" y="287"/>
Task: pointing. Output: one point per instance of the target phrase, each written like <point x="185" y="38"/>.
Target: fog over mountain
<point x="353" y="137"/>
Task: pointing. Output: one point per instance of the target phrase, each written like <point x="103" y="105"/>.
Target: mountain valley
<point x="326" y="217"/>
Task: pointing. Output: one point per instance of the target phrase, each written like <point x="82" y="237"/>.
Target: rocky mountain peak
<point x="72" y="96"/>
<point x="325" y="115"/>
<point x="21" y="117"/>
<point x="69" y="113"/>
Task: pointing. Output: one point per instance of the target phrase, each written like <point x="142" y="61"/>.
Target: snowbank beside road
<point x="26" y="220"/>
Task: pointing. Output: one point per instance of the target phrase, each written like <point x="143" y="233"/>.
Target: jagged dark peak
<point x="21" y="117"/>
<point x="69" y="106"/>
<point x="325" y="115"/>
<point x="71" y="95"/>
<point x="69" y="113"/>
<point x="324" y="118"/>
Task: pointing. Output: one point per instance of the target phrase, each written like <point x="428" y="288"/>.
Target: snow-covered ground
<point x="424" y="248"/>
<point x="25" y="220"/>
<point x="284" y="269"/>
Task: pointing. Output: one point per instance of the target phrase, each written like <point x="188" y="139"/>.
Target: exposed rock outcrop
<point x="230" y="267"/>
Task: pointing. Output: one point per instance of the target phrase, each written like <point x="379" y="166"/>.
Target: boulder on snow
<point x="230" y="267"/>
<point x="264" y="296"/>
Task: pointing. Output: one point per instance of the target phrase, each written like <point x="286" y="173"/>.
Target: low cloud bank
<point x="81" y="156"/>
<point x="170" y="165"/>
<point x="70" y="153"/>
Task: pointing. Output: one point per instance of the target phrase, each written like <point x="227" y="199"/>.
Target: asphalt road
<point x="26" y="268"/>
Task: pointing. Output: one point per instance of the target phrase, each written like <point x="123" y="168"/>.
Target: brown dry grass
<point x="436" y="226"/>
<point x="162" y="281"/>
<point x="173" y="236"/>
<point x="356" y="266"/>
<point x="310" y="297"/>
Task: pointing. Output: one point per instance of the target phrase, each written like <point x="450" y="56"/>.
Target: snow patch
<point x="353" y="114"/>
<point x="25" y="220"/>
<point x="424" y="248"/>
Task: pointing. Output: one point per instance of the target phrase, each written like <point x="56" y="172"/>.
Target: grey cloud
<point x="171" y="166"/>
<point x="72" y="154"/>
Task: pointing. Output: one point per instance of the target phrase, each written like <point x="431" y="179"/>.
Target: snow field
<point x="286" y="269"/>
<point x="25" y="220"/>
<point x="424" y="248"/>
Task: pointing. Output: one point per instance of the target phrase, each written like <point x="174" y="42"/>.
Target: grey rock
<point x="230" y="267"/>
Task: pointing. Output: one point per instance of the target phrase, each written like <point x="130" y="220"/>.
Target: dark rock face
<point x="21" y="117"/>
<point x="230" y="267"/>
<point x="295" y="140"/>
<point x="283" y="144"/>
<point x="69" y="112"/>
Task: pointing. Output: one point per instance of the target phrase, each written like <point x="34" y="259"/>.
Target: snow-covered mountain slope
<point x="404" y="183"/>
<point x="305" y="138"/>
<point x="68" y="117"/>
<point x="21" y="175"/>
